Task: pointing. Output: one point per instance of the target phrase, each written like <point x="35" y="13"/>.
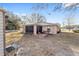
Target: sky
<point x="54" y="13"/>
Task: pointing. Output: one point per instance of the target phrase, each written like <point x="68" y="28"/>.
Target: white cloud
<point x="69" y="4"/>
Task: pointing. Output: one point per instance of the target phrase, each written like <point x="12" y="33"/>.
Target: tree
<point x="57" y="7"/>
<point x="12" y="21"/>
<point x="35" y="18"/>
<point x="70" y="17"/>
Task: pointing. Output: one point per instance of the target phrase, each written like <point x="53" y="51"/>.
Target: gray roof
<point x="43" y="24"/>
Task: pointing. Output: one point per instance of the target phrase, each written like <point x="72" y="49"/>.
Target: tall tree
<point x="35" y="18"/>
<point x="70" y="17"/>
<point x="12" y="21"/>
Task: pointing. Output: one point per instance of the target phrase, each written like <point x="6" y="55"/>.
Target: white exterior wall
<point x="1" y="34"/>
<point x="53" y="29"/>
<point x="35" y="29"/>
<point x="24" y="30"/>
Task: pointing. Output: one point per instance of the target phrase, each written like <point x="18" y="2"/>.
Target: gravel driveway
<point x="62" y="44"/>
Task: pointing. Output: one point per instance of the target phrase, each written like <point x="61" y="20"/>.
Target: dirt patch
<point x="63" y="44"/>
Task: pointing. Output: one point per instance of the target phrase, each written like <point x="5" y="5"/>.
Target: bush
<point x="76" y="31"/>
<point x="11" y="25"/>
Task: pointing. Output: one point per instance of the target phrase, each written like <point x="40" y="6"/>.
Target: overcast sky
<point x="54" y="13"/>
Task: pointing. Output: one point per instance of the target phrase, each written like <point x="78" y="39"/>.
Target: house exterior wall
<point x="24" y="29"/>
<point x="35" y="29"/>
<point x="1" y="34"/>
<point x="53" y="29"/>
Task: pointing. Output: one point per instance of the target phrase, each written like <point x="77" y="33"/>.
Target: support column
<point x="24" y="29"/>
<point x="35" y="30"/>
<point x="2" y="34"/>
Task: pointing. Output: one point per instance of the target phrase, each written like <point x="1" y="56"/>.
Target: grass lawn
<point x="13" y="37"/>
<point x="66" y="30"/>
<point x="62" y="44"/>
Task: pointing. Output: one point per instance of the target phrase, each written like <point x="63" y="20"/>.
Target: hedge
<point x="76" y="31"/>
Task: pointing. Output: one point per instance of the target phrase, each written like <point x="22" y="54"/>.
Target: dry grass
<point x="13" y="36"/>
<point x="60" y="44"/>
<point x="66" y="30"/>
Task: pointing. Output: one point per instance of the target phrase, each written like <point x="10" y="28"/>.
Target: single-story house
<point x="43" y="27"/>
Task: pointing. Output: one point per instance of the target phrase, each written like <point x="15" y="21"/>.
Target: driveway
<point x="62" y="44"/>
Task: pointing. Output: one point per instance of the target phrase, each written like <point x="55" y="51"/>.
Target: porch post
<point x="2" y="34"/>
<point x="24" y="29"/>
<point x="35" y="30"/>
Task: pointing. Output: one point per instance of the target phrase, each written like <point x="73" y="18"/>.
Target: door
<point x="39" y="29"/>
<point x="29" y="29"/>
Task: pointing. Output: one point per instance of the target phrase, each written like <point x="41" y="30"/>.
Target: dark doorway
<point x="29" y="29"/>
<point x="39" y="29"/>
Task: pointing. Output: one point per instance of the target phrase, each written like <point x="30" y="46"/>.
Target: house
<point x="42" y="27"/>
<point x="2" y="32"/>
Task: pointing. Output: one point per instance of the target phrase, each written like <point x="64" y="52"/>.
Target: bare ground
<point x="62" y="44"/>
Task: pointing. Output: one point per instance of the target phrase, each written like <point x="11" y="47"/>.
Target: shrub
<point x="76" y="31"/>
<point x="12" y="25"/>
